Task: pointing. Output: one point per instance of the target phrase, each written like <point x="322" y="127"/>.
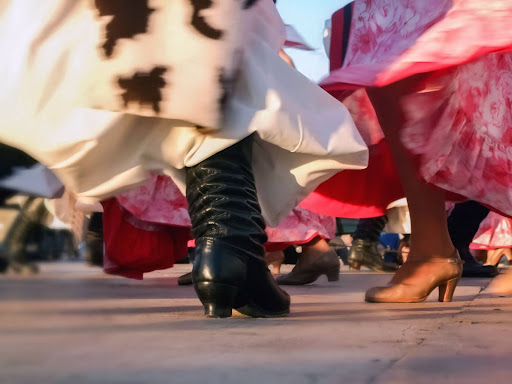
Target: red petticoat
<point x="133" y="247"/>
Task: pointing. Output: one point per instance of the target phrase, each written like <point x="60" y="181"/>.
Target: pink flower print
<point x="385" y="15"/>
<point x="366" y="41"/>
<point x="412" y="19"/>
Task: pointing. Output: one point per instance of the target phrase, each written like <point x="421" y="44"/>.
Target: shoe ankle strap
<point x="454" y="259"/>
<point x="450" y="260"/>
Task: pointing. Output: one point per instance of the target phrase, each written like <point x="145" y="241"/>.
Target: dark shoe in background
<point x="365" y="253"/>
<point x="304" y="273"/>
<point x="463" y="224"/>
<point x="16" y="239"/>
<point x="94" y="246"/>
<point x="185" y="279"/>
<point x="473" y="268"/>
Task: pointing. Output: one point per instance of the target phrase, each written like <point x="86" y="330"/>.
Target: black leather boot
<point x="463" y="224"/>
<point x="229" y="270"/>
<point x="94" y="241"/>
<point x="30" y="215"/>
<point x="364" y="250"/>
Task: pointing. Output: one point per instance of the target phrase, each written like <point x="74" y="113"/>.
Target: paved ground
<point x="71" y="324"/>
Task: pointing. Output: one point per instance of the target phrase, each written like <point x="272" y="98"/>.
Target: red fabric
<point x="148" y="228"/>
<point x="133" y="247"/>
<point x="359" y="194"/>
<point x="157" y="201"/>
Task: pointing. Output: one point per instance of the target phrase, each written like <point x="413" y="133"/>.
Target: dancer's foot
<point x="317" y="259"/>
<point x="495" y="255"/>
<point x="275" y="259"/>
<point x="365" y="253"/>
<point x="417" y="278"/>
<point x="501" y="285"/>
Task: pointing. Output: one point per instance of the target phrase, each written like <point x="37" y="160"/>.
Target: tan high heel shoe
<point x="494" y="256"/>
<point x="417" y="278"/>
<point x="275" y="259"/>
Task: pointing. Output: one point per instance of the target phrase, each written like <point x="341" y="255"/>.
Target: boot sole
<point x="219" y="300"/>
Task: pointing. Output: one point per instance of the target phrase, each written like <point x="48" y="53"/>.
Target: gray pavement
<point x="72" y="324"/>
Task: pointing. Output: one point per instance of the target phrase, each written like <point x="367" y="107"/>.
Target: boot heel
<point x="333" y="275"/>
<point x="218" y="299"/>
<point x="446" y="290"/>
<point x="354" y="265"/>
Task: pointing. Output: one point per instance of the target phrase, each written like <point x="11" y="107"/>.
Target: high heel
<point x="218" y="299"/>
<point x="406" y="287"/>
<point x="354" y="265"/>
<point x="495" y="255"/>
<point x="305" y="273"/>
<point x="447" y="290"/>
<point x="508" y="255"/>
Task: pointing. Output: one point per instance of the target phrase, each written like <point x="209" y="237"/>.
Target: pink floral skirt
<point x="458" y="125"/>
<point x="495" y="232"/>
<point x="148" y="228"/>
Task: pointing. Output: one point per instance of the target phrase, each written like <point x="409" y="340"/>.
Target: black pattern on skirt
<point x="130" y="18"/>
<point x="249" y="3"/>
<point x="144" y="88"/>
<point x="200" y="23"/>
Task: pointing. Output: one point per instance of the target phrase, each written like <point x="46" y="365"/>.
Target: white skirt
<point x="94" y="120"/>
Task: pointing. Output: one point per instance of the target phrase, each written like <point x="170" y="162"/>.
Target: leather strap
<point x="454" y="259"/>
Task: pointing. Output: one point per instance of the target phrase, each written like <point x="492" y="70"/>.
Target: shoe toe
<point x="378" y="293"/>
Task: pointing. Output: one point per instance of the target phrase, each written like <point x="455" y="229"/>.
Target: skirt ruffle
<point x="148" y="229"/>
<point x="495" y="232"/>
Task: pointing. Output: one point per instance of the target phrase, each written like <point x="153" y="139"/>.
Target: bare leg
<point x="429" y="235"/>
<point x="431" y="262"/>
<point x="501" y="285"/>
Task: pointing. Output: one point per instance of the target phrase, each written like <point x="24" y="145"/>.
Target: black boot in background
<point x="463" y="224"/>
<point x="29" y="218"/>
<point x="229" y="270"/>
<point x="94" y="241"/>
<point x="364" y="250"/>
